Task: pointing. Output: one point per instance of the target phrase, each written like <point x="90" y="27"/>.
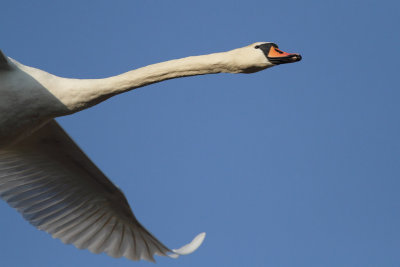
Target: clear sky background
<point x="298" y="165"/>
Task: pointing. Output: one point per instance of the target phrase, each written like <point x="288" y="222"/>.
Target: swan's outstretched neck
<point x="189" y="66"/>
<point x="86" y="93"/>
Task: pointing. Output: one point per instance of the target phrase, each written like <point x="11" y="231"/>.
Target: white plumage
<point x="53" y="184"/>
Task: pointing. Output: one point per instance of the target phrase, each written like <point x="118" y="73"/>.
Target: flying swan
<point x="53" y="184"/>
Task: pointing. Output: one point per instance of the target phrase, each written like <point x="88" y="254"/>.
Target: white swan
<point x="47" y="178"/>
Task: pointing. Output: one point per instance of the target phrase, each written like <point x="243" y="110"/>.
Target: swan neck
<point x="189" y="66"/>
<point x="86" y="93"/>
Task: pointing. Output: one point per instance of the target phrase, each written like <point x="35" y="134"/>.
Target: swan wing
<point x="4" y="62"/>
<point x="56" y="187"/>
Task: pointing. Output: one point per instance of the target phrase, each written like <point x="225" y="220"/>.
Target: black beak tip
<point x="297" y="57"/>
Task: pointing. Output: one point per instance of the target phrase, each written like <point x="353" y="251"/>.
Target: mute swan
<point x="53" y="184"/>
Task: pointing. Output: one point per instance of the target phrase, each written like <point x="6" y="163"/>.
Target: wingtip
<point x="189" y="248"/>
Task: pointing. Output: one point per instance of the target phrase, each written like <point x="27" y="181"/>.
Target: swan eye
<point x="257" y="46"/>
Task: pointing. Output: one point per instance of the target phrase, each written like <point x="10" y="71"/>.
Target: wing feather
<point x="58" y="189"/>
<point x="4" y="62"/>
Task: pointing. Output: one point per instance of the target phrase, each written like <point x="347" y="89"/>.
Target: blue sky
<point x="298" y="165"/>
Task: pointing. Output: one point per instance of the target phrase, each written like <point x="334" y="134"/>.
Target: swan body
<point x="53" y="184"/>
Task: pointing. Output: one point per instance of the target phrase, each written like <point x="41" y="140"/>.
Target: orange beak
<point x="277" y="56"/>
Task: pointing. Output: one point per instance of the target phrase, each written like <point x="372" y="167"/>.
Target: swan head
<point x="261" y="55"/>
